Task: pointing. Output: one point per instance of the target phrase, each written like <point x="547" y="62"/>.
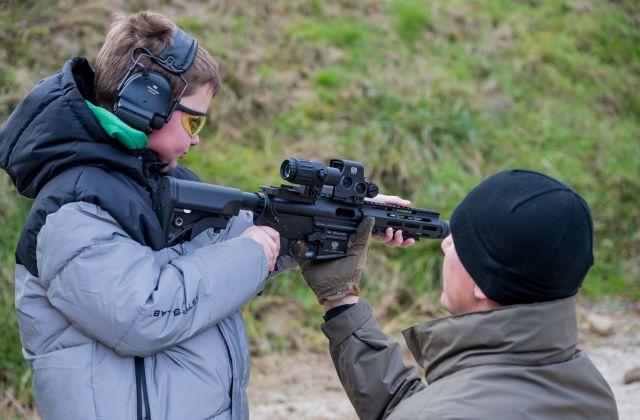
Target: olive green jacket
<point x="516" y="362"/>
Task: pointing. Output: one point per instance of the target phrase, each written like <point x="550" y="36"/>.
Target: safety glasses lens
<point x="193" y="123"/>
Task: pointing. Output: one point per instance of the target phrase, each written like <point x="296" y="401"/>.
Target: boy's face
<point x="172" y="141"/>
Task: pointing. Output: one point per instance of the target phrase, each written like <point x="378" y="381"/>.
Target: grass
<point x="411" y="19"/>
<point x="431" y="96"/>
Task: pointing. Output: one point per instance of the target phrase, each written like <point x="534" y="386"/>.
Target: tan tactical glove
<point x="334" y="279"/>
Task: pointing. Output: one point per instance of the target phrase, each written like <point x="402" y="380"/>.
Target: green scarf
<point x="117" y="129"/>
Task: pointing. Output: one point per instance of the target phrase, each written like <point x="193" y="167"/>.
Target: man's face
<point x="172" y="141"/>
<point x="457" y="285"/>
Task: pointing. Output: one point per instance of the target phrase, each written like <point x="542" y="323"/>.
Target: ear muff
<point x="157" y="122"/>
<point x="144" y="101"/>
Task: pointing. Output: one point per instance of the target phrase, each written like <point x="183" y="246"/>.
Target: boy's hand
<point x="269" y="239"/>
<point x="391" y="238"/>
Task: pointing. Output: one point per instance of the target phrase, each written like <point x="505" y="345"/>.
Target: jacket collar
<point x="533" y="334"/>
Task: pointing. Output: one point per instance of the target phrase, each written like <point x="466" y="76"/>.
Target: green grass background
<point x="432" y="96"/>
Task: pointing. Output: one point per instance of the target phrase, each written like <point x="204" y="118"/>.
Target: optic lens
<point x="289" y="169"/>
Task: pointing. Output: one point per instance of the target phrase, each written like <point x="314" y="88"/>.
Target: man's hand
<point x="269" y="239"/>
<point x="391" y="238"/>
<point x="334" y="279"/>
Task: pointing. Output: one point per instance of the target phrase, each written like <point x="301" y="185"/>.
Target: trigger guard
<point x="302" y="250"/>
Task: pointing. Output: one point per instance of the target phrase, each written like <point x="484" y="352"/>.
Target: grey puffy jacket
<point x="102" y="298"/>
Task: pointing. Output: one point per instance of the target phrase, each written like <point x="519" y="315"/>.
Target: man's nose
<point x="195" y="140"/>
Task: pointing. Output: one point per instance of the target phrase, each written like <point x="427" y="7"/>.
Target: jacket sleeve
<point x="369" y="363"/>
<point x="135" y="300"/>
<point x="237" y="225"/>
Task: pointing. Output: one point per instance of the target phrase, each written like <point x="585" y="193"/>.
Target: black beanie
<point x="524" y="237"/>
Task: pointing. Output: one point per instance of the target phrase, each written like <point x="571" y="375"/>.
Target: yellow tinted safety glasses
<point x="192" y="121"/>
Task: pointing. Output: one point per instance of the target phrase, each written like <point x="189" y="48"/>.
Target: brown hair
<point x="153" y="32"/>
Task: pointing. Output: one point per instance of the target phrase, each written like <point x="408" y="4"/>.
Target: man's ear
<point x="484" y="301"/>
<point x="478" y="293"/>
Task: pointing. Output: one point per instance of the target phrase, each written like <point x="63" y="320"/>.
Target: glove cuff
<point x="339" y="292"/>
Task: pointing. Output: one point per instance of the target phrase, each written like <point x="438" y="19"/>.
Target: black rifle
<point x="314" y="218"/>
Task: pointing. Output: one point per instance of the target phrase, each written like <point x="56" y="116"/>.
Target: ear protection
<point x="144" y="100"/>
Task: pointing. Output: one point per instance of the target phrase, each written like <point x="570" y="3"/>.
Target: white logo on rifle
<point x="334" y="245"/>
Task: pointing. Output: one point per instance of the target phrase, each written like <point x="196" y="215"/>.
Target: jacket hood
<point x="533" y="334"/>
<point x="53" y="129"/>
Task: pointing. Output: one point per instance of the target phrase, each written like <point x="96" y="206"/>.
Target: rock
<point x="632" y="375"/>
<point x="600" y="324"/>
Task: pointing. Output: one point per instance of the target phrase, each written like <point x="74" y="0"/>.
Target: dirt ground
<point x="303" y="385"/>
<point x="614" y="356"/>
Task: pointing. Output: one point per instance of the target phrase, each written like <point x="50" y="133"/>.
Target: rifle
<point x="314" y="218"/>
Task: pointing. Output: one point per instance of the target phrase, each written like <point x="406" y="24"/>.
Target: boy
<point x="113" y="323"/>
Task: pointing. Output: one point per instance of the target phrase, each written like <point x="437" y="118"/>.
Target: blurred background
<point x="432" y="96"/>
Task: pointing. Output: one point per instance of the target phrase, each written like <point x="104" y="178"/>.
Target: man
<point x="519" y="249"/>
